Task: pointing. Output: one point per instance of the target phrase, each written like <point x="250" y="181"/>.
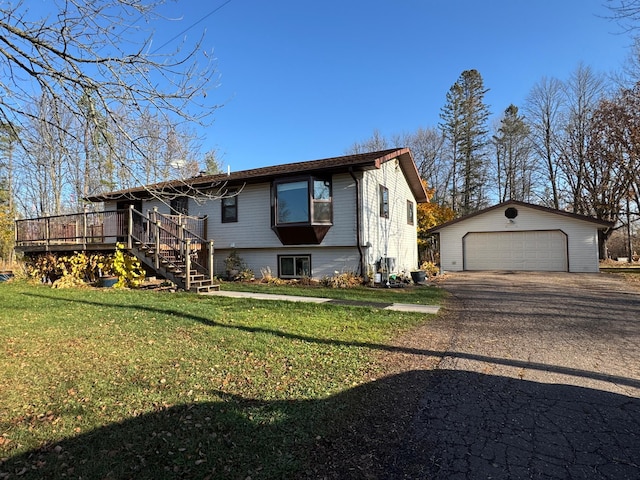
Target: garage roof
<point x="574" y="216"/>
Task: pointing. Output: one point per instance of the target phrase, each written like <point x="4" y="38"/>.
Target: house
<point x="515" y="235"/>
<point x="355" y="213"/>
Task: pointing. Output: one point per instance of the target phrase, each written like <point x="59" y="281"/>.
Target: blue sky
<point x="303" y="80"/>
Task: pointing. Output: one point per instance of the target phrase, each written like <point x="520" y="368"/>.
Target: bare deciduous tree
<point x="583" y="90"/>
<point x="427" y="146"/>
<point x="544" y="109"/>
<point x="626" y="13"/>
<point x="613" y="158"/>
<point x="376" y="143"/>
<point x="97" y="50"/>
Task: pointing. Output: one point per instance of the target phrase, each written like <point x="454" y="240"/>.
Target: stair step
<point x="172" y="266"/>
<point x="206" y="288"/>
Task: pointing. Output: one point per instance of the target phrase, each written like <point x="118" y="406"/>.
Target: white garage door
<point x="535" y="251"/>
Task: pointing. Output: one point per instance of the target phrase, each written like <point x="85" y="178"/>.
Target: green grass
<point x="105" y="383"/>
<point x="422" y="295"/>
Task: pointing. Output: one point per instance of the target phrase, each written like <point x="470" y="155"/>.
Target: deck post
<point x="181" y="240"/>
<point x="47" y="233"/>
<point x="187" y="265"/>
<point x="130" y="228"/>
<point x="156" y="238"/>
<point x="211" y="260"/>
<point x="84" y="228"/>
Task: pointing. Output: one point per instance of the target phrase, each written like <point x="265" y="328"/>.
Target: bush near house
<point x="80" y="268"/>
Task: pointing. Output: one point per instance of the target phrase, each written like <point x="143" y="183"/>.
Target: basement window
<point x="294" y="266"/>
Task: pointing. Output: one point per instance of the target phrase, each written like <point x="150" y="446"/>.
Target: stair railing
<point x="172" y="242"/>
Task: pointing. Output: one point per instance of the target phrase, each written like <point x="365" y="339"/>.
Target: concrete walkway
<point x="398" y="307"/>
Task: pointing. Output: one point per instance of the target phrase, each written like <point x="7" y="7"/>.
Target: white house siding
<point x="582" y="237"/>
<point x="259" y="246"/>
<point x="392" y="237"/>
<point x="253" y="228"/>
<point x="325" y="261"/>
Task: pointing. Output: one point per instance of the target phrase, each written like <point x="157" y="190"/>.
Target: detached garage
<point x="520" y="236"/>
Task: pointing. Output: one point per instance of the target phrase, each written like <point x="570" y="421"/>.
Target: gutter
<point x="358" y="232"/>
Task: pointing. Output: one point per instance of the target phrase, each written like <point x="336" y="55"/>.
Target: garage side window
<point x="410" y="214"/>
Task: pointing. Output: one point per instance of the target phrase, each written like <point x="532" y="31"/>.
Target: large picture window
<point x="292" y="202"/>
<point x="294" y="266"/>
<point x="230" y="209"/>
<point x="305" y="201"/>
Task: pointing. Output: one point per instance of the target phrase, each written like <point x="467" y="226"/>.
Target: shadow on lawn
<point x="419" y="424"/>
<point x="618" y="380"/>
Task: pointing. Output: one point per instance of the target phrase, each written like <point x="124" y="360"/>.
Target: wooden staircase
<point x="172" y="252"/>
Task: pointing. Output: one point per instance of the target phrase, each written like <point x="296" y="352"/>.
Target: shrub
<point x="342" y="280"/>
<point x="50" y="267"/>
<point x="430" y="268"/>
<point x="128" y="268"/>
<point x="266" y="273"/>
<point x="245" y="275"/>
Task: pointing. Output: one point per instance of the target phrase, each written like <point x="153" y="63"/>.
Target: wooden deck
<point x="172" y="246"/>
<point x="94" y="231"/>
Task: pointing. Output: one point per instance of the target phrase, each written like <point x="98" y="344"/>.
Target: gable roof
<point x="344" y="164"/>
<point x="574" y="216"/>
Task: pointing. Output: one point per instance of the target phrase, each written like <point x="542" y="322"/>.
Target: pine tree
<point x="464" y="125"/>
<point x="514" y="170"/>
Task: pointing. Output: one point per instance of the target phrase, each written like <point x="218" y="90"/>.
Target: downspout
<point x="358" y="231"/>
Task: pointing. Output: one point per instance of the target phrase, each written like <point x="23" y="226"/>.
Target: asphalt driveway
<point x="538" y="376"/>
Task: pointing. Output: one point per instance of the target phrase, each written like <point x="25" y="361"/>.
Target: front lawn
<point x="105" y="383"/>
<point x="422" y="295"/>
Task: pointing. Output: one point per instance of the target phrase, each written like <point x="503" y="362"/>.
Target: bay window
<point x="302" y="210"/>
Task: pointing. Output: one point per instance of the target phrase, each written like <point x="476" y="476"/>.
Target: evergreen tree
<point x="514" y="169"/>
<point x="464" y="125"/>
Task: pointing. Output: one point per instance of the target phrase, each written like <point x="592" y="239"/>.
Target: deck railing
<point x="73" y="229"/>
<point x="172" y="238"/>
<point x="85" y="228"/>
<point x="177" y="238"/>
